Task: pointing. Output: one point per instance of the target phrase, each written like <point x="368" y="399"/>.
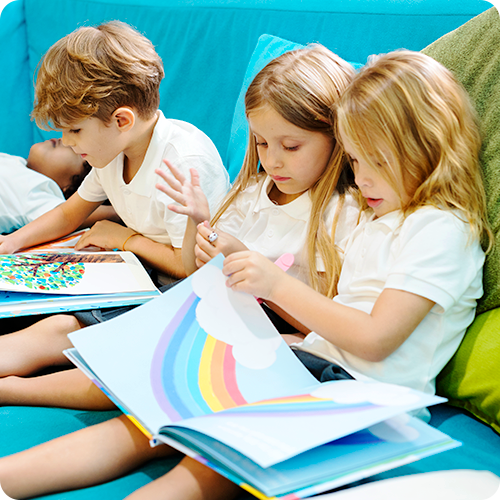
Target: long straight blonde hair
<point x="409" y="118"/>
<point x="303" y="86"/>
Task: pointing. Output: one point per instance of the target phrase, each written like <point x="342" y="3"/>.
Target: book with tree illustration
<point x="211" y="376"/>
<point x="54" y="278"/>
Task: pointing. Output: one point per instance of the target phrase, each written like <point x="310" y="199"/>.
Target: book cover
<point x="204" y="370"/>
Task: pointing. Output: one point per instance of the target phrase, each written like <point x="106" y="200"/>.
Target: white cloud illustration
<point x="221" y="313"/>
<point x="356" y="391"/>
<point x="395" y="429"/>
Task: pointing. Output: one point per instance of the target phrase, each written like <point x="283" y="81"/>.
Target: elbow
<point x="376" y="353"/>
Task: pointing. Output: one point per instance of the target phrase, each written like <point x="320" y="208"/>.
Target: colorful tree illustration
<point x="48" y="271"/>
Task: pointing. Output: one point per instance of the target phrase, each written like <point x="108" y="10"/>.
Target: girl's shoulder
<point x="437" y="217"/>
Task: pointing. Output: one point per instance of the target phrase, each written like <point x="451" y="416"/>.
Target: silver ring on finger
<point x="212" y="237"/>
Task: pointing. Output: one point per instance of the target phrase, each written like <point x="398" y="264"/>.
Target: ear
<point x="123" y="118"/>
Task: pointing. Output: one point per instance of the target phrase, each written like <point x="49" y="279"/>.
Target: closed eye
<point x="75" y="131"/>
<point x="292" y="148"/>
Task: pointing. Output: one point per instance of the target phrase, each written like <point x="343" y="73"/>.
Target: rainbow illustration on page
<point x="194" y="374"/>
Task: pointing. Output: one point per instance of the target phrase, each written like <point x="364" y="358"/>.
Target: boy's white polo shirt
<point x="140" y="205"/>
<point x="24" y="193"/>
<point x="273" y="230"/>
<point x="432" y="254"/>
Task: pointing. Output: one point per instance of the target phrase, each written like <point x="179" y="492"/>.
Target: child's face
<point x="94" y="141"/>
<point x="53" y="159"/>
<point x="294" y="158"/>
<point x="379" y="194"/>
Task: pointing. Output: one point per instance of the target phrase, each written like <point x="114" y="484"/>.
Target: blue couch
<point x="206" y="46"/>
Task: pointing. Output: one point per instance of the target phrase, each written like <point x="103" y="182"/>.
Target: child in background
<point x="301" y="193"/>
<point x="100" y="86"/>
<point x="33" y="186"/>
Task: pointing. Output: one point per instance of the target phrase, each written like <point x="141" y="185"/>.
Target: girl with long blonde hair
<point x="292" y="184"/>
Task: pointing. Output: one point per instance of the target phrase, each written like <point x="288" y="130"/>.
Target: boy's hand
<point x="189" y="195"/>
<point x="106" y="235"/>
<point x="7" y="245"/>
<point x="225" y="244"/>
<point x="253" y="273"/>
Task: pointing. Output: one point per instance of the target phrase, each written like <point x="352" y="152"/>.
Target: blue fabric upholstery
<point x="206" y="46"/>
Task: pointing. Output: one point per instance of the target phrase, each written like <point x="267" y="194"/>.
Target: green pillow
<point x="472" y="52"/>
<point x="471" y="379"/>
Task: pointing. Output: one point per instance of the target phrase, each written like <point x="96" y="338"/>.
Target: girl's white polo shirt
<point x="432" y="254"/>
<point x="274" y="230"/>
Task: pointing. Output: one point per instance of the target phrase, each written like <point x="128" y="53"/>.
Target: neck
<point x="135" y="152"/>
<point x="280" y="198"/>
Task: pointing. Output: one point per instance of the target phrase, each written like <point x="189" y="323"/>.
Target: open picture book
<point x="202" y="369"/>
<point x="54" y="278"/>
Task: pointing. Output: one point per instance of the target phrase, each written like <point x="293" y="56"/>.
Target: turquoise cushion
<point x="268" y="47"/>
<point x="16" y="131"/>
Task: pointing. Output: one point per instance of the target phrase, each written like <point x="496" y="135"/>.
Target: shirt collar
<point x="143" y="182"/>
<point x="300" y="208"/>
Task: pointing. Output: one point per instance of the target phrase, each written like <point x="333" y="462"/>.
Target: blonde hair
<point x="302" y="86"/>
<point x="409" y="118"/>
<point x="95" y="70"/>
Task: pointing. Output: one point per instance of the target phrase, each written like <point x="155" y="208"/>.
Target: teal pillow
<point x="268" y="47"/>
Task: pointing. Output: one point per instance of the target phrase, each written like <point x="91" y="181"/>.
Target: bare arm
<point x="110" y="235"/>
<point x="58" y="222"/>
<point x="104" y="212"/>
<point x="373" y="336"/>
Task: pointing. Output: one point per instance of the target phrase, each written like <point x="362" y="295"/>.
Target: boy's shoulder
<point x="184" y="138"/>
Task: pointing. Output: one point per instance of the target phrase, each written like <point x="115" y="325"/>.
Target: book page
<point x="73" y="273"/>
<point x="198" y="349"/>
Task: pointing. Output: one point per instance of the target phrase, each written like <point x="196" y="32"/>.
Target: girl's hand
<point x="189" y="195"/>
<point x="253" y="273"/>
<point x="225" y="244"/>
<point x="106" y="235"/>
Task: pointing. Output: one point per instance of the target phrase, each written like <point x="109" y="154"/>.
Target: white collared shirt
<point x="24" y="193"/>
<point x="273" y="230"/>
<point x="432" y="254"/>
<point x="140" y="205"/>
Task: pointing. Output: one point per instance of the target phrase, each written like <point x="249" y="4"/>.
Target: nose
<point x="66" y="139"/>
<point x="361" y="176"/>
<point x="273" y="158"/>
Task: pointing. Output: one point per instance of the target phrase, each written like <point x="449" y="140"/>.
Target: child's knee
<point x="64" y="323"/>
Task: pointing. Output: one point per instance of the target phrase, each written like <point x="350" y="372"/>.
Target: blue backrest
<point x="206" y="46"/>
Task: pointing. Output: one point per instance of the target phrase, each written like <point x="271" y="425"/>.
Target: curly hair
<point x="95" y="70"/>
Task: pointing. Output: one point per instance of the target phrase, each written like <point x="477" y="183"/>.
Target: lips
<point x="278" y="178"/>
<point x="374" y="202"/>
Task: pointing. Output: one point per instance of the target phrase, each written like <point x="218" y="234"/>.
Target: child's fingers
<point x="201" y="256"/>
<point x="175" y="171"/>
<point x="205" y="246"/>
<point x="205" y="230"/>
<point x="195" y="177"/>
<point x="235" y="263"/>
<point x="172" y="193"/>
<point x="169" y="179"/>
